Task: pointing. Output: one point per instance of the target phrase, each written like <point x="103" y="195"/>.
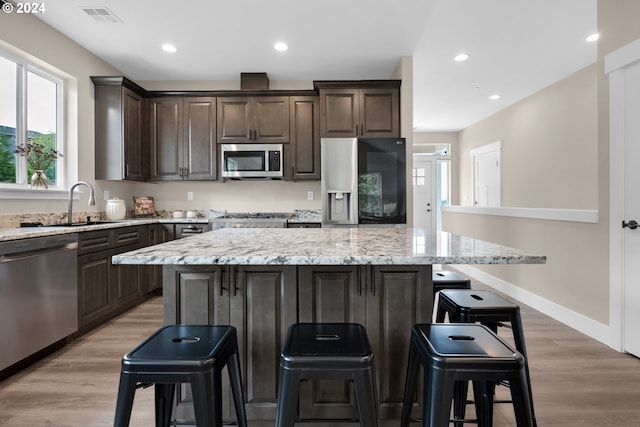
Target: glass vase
<point x="39" y="180"/>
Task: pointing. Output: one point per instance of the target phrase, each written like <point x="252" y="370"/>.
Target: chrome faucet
<point x="92" y="200"/>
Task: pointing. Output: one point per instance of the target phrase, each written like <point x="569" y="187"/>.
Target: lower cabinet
<point x="262" y="301"/>
<point x="105" y="289"/>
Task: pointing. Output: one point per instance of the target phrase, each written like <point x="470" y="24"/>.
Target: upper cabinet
<point x="304" y="149"/>
<point x="172" y="135"/>
<point x="253" y="119"/>
<point x="121" y="130"/>
<point x="359" y="109"/>
<point x="182" y="138"/>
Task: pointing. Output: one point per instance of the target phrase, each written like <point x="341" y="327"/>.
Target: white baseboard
<point x="577" y="321"/>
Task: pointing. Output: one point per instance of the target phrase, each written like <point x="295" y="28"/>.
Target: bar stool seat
<point x="193" y="354"/>
<point x="446" y="279"/>
<point x="326" y="351"/>
<point x="489" y="309"/>
<point x="457" y="352"/>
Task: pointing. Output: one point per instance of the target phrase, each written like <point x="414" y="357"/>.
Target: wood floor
<point x="576" y="381"/>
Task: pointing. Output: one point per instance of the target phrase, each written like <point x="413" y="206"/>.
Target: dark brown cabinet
<point x="182" y="138"/>
<point x="253" y="119"/>
<point x="259" y="301"/>
<point x="105" y="289"/>
<point x="121" y="130"/>
<point x="304" y="149"/>
<point x="362" y="110"/>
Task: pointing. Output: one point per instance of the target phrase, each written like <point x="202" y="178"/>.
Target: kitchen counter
<point x="7" y="234"/>
<point x="327" y="246"/>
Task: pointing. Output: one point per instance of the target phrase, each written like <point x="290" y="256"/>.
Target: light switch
<point x="106" y="194"/>
<point x="309" y="195"/>
<point x="189" y="195"/>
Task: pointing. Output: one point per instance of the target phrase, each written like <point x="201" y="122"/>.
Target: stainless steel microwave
<point x="252" y="161"/>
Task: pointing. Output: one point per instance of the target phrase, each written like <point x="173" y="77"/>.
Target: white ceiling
<point x="516" y="47"/>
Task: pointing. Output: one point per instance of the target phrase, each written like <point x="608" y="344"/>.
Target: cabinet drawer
<point x="130" y="236"/>
<point x="93" y="241"/>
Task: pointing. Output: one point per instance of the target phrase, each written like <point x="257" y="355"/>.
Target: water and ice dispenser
<point x="363" y="181"/>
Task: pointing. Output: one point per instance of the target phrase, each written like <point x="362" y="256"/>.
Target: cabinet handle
<point x="373" y="282"/>
<point x="222" y="282"/>
<point x="126" y="170"/>
<point x="361" y="129"/>
<point x="233" y="281"/>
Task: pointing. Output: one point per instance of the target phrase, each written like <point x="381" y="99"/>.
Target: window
<point x="30" y="116"/>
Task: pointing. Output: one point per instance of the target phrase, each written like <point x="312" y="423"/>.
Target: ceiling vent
<point x="100" y="13"/>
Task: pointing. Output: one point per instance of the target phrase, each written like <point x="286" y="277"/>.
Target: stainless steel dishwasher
<point x="38" y="294"/>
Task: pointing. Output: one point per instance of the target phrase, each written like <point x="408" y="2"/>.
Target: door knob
<point x="631" y="224"/>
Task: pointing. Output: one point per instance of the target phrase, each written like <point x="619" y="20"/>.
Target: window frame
<point x="22" y="190"/>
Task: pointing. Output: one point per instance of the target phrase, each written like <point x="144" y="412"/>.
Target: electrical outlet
<point x="106" y="194"/>
<point x="309" y="195"/>
<point x="189" y="195"/>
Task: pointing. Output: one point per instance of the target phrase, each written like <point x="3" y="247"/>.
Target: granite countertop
<point x="7" y="234"/>
<point x="327" y="246"/>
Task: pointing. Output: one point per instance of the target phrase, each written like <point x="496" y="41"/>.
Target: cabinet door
<point x="305" y="138"/>
<point x="167" y="162"/>
<point x="379" y="113"/>
<point x="339" y="113"/>
<point x="199" y="151"/>
<point x="351" y="113"/>
<point x="263" y="305"/>
<point x="134" y="131"/>
<point x="271" y="119"/>
<point x="235" y="119"/>
<point x="95" y="298"/>
<point x="127" y="283"/>
<point x="330" y="294"/>
<point x="397" y="298"/>
<point x="200" y="295"/>
<point x="196" y="296"/>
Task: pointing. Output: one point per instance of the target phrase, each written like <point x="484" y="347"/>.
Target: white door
<point x="424" y="195"/>
<point x="486" y="167"/>
<point x="631" y="235"/>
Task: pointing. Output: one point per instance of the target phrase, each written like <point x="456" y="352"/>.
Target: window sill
<point x="29" y="194"/>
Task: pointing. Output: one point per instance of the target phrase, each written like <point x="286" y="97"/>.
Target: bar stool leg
<point x="205" y="399"/>
<point x="437" y="406"/>
<point x="522" y="401"/>
<point x="126" y="392"/>
<point x="287" y="398"/>
<point x="413" y="367"/>
<point x="367" y="407"/>
<point x="460" y="401"/>
<point x="164" y="403"/>
<point x="233" y="366"/>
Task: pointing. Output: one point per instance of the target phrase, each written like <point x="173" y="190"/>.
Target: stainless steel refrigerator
<point x="363" y="181"/>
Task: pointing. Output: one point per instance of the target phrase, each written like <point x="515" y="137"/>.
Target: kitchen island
<point x="263" y="280"/>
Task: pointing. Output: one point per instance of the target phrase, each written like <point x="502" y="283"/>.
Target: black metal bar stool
<point x="489" y="309"/>
<point x="446" y="279"/>
<point x="456" y="352"/>
<point x="326" y="351"/>
<point x="193" y="354"/>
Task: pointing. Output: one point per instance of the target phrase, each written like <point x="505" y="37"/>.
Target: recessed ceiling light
<point x="494" y="97"/>
<point x="593" y="38"/>
<point x="461" y="57"/>
<point x="169" y="48"/>
<point x="280" y="46"/>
